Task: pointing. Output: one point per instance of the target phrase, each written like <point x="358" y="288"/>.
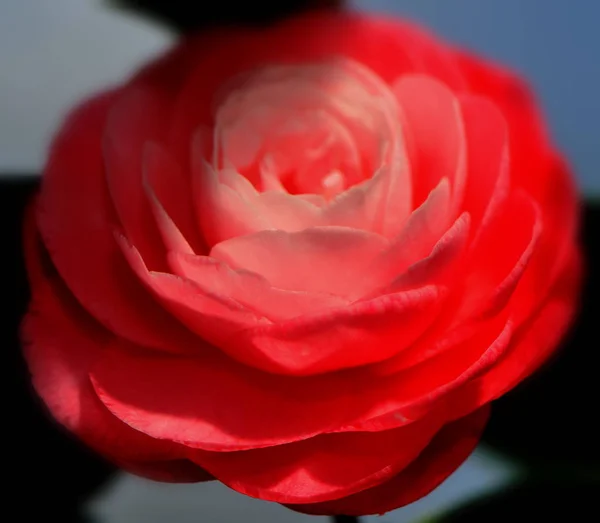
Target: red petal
<point x="529" y="143"/>
<point x="76" y="222"/>
<point x="440" y="338"/>
<point x="213" y="403"/>
<point x="336" y="339"/>
<point x="429" y="385"/>
<point x="169" y="193"/>
<point x="488" y="165"/>
<point x="500" y="257"/>
<point x="135" y="119"/>
<point x="419" y="52"/>
<point x="532" y="345"/>
<point x="61" y="343"/>
<point x="321" y="468"/>
<point x="173" y="239"/>
<point x="442" y="457"/>
<point x="536" y="168"/>
<point x="560" y="208"/>
<point x="436" y="131"/>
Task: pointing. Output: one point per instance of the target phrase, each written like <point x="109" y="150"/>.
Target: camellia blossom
<point x="301" y="260"/>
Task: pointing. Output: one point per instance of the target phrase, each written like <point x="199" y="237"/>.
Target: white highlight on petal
<point x="333" y="183"/>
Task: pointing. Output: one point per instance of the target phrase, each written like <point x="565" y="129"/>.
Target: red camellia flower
<point x="300" y="260"/>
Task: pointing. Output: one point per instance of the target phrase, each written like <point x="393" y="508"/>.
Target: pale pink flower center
<point x="306" y="129"/>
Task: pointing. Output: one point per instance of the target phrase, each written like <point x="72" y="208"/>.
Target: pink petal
<point x="418" y="237"/>
<point x="222" y="212"/>
<point x="289" y="121"/>
<point x="269" y="177"/>
<point x="326" y="341"/>
<point x="292" y="110"/>
<point x="252" y="290"/>
<point x="357" y="207"/>
<point x="288" y="212"/>
<point x="423" y="229"/>
<point x="443" y="261"/>
<point x="376" y="205"/>
<point x="211" y="316"/>
<point x="396" y="191"/>
<point x="273" y="209"/>
<point x="321" y="259"/>
<point x="238" y="183"/>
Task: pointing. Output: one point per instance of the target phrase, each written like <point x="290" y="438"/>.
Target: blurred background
<point x="53" y="53"/>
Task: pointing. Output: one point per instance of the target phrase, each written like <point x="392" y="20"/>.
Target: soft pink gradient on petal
<point x="251" y="290"/>
<point x="319" y="259"/>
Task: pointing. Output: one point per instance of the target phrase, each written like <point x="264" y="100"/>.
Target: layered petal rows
<point x="301" y="261"/>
